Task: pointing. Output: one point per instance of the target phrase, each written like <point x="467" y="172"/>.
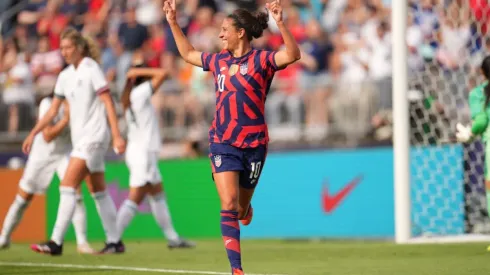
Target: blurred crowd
<point x="339" y="91"/>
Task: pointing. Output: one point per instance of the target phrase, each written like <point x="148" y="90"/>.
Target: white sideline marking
<point x="124" y="268"/>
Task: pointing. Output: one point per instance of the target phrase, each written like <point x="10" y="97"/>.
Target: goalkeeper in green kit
<point x="479" y="101"/>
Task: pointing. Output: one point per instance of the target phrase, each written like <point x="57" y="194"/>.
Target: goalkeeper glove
<point x="463" y="133"/>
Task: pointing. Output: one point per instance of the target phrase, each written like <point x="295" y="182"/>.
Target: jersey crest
<point x="244" y="68"/>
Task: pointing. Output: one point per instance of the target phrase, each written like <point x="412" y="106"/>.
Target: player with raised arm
<point x="143" y="147"/>
<point x="83" y="85"/>
<point x="49" y="154"/>
<point x="238" y="135"/>
<point x="479" y="101"/>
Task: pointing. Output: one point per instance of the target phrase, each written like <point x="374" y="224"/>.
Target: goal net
<point x="446" y="42"/>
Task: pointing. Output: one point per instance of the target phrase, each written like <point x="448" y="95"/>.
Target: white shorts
<point x="38" y="173"/>
<point x="143" y="167"/>
<point x="93" y="154"/>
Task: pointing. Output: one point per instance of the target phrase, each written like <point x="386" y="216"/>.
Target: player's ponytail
<point x="485" y="68"/>
<point x="86" y="44"/>
<point x="254" y="24"/>
<point x="126" y="95"/>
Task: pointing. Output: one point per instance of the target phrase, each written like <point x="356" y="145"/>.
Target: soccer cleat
<point x="85" y="249"/>
<point x="113" y="248"/>
<point x="180" y="243"/>
<point x="4" y="243"/>
<point x="237" y="271"/>
<point x="49" y="247"/>
<point x="248" y="218"/>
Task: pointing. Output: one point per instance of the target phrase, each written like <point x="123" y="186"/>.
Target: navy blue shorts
<point x="249" y="161"/>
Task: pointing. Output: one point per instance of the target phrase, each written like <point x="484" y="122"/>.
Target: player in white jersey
<point x="49" y="154"/>
<point x="142" y="153"/>
<point x="83" y="85"/>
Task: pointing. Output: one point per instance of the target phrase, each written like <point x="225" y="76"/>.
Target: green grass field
<point x="261" y="257"/>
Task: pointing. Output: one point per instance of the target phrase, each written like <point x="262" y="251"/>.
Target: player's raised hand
<point x="276" y="10"/>
<point x="170" y="10"/>
<point x="26" y="145"/>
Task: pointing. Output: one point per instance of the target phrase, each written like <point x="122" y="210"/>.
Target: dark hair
<point x="140" y="79"/>
<point x="130" y="84"/>
<point x="254" y="24"/>
<point x="485" y="68"/>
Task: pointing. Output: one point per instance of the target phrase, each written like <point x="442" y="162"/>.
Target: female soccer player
<point x="83" y="85"/>
<point x="238" y="136"/>
<point x="479" y="101"/>
<point x="49" y="154"/>
<point x="142" y="152"/>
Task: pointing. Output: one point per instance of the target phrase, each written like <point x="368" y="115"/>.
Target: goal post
<point x="439" y="192"/>
<point x="401" y="141"/>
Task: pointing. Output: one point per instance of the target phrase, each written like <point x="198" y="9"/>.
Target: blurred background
<point x="337" y="95"/>
<point x="329" y="115"/>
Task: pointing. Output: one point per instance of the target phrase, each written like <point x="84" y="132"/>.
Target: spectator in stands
<point x="315" y="79"/>
<point x="32" y="14"/>
<point x="133" y="37"/>
<point x="52" y="23"/>
<point x="18" y="91"/>
<point x="45" y="64"/>
<point x="454" y="37"/>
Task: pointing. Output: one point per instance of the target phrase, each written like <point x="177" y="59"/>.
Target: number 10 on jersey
<point x="221" y="82"/>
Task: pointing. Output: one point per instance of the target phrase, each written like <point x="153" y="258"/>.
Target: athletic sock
<point x="108" y="214"/>
<point x="230" y="230"/>
<point x="66" y="210"/>
<point x="161" y="213"/>
<point x="13" y="217"/>
<point x="124" y="216"/>
<point x="79" y="221"/>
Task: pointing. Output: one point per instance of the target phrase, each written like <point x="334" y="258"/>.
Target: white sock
<point x="13" y="217"/>
<point x="108" y="214"/>
<point x="80" y="221"/>
<point x="66" y="209"/>
<point x="162" y="216"/>
<point x="125" y="215"/>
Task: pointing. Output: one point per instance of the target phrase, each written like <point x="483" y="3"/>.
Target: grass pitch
<point x="260" y="257"/>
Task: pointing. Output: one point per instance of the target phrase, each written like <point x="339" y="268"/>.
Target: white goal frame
<point x="401" y="138"/>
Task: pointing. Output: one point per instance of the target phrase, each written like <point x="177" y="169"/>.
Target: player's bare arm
<point x="41" y="124"/>
<point x="186" y="50"/>
<point x="118" y="142"/>
<point x="53" y="130"/>
<point x="157" y="75"/>
<point x="292" y="52"/>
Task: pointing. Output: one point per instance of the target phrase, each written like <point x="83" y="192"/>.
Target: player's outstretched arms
<point x="186" y="50"/>
<point x="292" y="52"/>
<point x="52" y="131"/>
<point x="41" y="124"/>
<point x="157" y="75"/>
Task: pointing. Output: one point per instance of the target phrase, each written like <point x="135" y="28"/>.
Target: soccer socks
<point x="125" y="215"/>
<point x="80" y="221"/>
<point x="161" y="213"/>
<point x="13" y="217"/>
<point x="230" y="230"/>
<point x="108" y="214"/>
<point x="66" y="210"/>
